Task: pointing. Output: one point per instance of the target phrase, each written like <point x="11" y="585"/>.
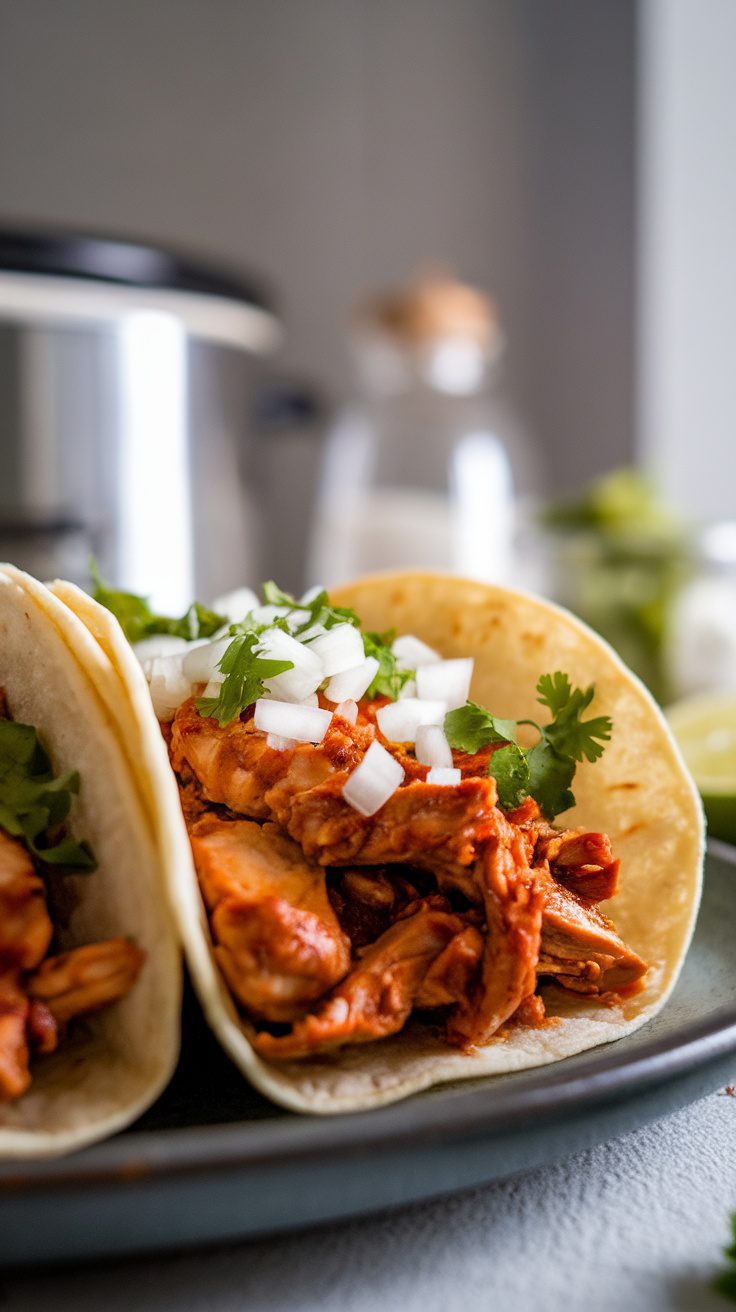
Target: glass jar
<point x="424" y="468"/>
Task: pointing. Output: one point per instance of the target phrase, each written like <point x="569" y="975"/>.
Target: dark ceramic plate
<point x="214" y="1161"/>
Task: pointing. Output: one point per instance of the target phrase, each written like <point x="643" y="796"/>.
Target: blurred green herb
<point x="138" y="621"/>
<point x="34" y="803"/>
<point x="725" y="1283"/>
<point x="622" y="556"/>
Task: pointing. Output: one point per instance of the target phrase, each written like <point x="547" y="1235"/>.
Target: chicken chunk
<point x="25" y="925"/>
<point x="378" y="995"/>
<point x="581" y="947"/>
<point x="86" y="979"/>
<point x="236" y="767"/>
<point x="278" y="941"/>
<point x="514" y="900"/>
<point x="425" y="825"/>
<point x="14" y="1007"/>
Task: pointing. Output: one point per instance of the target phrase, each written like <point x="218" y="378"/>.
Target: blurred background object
<point x="124" y="375"/>
<point x="426" y="466"/>
<point x="568" y="161"/>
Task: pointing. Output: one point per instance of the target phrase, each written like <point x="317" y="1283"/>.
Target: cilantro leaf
<point x="550" y="777"/>
<point x="34" y="802"/>
<point x="273" y="595"/>
<point x="472" y="727"/>
<point x="546" y="770"/>
<point x="245" y="670"/>
<point x="389" y="678"/>
<point x="509" y="766"/>
<point x="725" y="1283"/>
<point x="568" y="733"/>
<point x="138" y="621"/>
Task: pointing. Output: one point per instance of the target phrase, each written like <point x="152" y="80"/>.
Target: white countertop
<point x="637" y="1223"/>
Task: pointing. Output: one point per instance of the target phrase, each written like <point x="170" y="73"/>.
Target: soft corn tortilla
<point x="639" y="793"/>
<point x="112" y="1065"/>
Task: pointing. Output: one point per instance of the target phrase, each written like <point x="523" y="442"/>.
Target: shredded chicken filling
<point x="332" y="928"/>
<point x="40" y="994"/>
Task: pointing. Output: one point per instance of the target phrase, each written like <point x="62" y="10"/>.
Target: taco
<point x="90" y="976"/>
<point x="393" y="883"/>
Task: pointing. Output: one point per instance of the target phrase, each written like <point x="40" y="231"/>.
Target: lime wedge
<point x="705" y="728"/>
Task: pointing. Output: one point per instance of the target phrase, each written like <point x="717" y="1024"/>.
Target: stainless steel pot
<point x="126" y="375"/>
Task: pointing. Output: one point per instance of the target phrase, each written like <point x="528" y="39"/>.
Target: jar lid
<point x="432" y="306"/>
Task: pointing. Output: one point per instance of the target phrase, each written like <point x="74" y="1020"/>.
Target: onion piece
<point x="314" y="631"/>
<point x="160" y="644"/>
<point x="432" y="747"/>
<point x="448" y="680"/>
<point x="268" y="613"/>
<point x="444" y="777"/>
<point x="306" y="724"/>
<point x="169" y="686"/>
<point x="298" y="683"/>
<point x="279" y="744"/>
<point x="399" y="721"/>
<point x="201" y="661"/>
<point x="339" y="649"/>
<point x="411" y="652"/>
<point x="409" y="690"/>
<point x="351" y="684"/>
<point x="311" y="594"/>
<point x="373" y="781"/>
<point x="348" y="710"/>
<point x="235" y="605"/>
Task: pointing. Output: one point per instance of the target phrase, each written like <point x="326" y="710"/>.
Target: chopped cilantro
<point x="510" y="768"/>
<point x="569" y="734"/>
<point x="389" y="679"/>
<point x="138" y="621"/>
<point x="245" y="670"/>
<point x="472" y="727"/>
<point x="546" y="770"/>
<point x="34" y="803"/>
<point x="725" y="1283"/>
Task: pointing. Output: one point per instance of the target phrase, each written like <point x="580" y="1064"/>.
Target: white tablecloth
<point x="637" y="1223"/>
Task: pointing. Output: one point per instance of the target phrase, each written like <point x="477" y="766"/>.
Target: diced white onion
<point x="351" y="684"/>
<point x="235" y="605"/>
<point x="409" y="690"/>
<point x="169" y="686"/>
<point x="311" y="700"/>
<point x="348" y="710"/>
<point x="399" y="721"/>
<point x="303" y="680"/>
<point x="306" y="724"/>
<point x="411" y="652"/>
<point x="338" y="649"/>
<point x="446" y="680"/>
<point x="311" y="594"/>
<point x="314" y="631"/>
<point x="446" y="778"/>
<point x="267" y="614"/>
<point x="373" y="781"/>
<point x="200" y="663"/>
<point x="159" y="644"/>
<point x="279" y="744"/>
<point x="432" y="747"/>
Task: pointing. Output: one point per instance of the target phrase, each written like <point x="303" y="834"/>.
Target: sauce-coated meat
<point x="278" y="941"/>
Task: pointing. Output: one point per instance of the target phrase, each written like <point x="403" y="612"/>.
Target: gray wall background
<point x="333" y="145"/>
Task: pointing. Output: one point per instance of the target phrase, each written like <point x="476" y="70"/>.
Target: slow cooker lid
<point x="58" y="275"/>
